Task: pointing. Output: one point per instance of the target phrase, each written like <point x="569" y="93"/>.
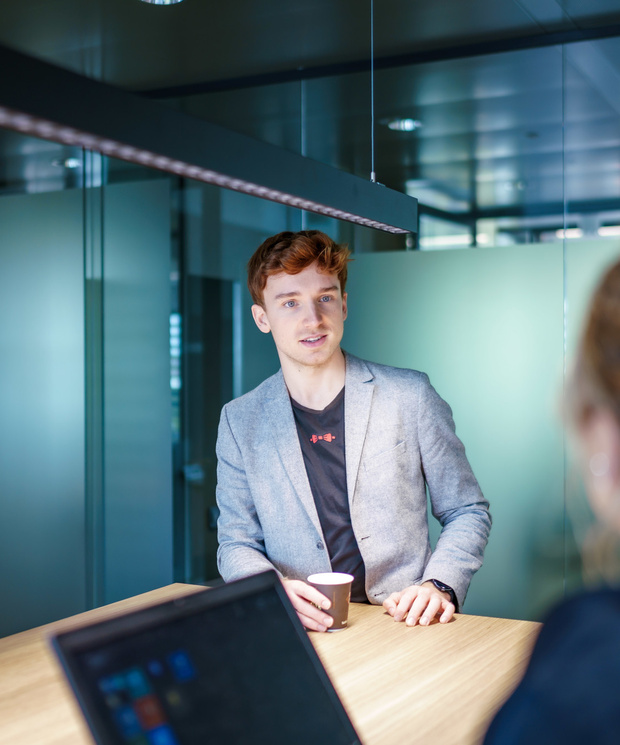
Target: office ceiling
<point x="510" y="132"/>
<point x="140" y="46"/>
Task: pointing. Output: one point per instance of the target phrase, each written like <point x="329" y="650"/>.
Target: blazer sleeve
<point x="456" y="499"/>
<point x="241" y="549"/>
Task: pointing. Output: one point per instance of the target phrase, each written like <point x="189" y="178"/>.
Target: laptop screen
<point x="232" y="664"/>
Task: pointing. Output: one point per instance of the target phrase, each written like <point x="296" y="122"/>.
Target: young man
<point x="324" y="466"/>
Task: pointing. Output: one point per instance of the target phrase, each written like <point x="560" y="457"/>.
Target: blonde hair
<point x="595" y="386"/>
<point x="595" y="382"/>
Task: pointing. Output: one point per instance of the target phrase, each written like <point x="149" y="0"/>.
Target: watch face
<point x="447" y="589"/>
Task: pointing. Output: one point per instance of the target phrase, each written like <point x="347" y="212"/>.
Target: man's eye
<point x="289" y="304"/>
<point x="326" y="298"/>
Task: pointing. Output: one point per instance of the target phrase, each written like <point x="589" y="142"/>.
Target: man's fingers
<point x="403" y="606"/>
<point x="306" y="591"/>
<point x="407" y="598"/>
<point x="419" y="604"/>
<point x="305" y="598"/>
<point x="449" y="611"/>
<point x="313" y="624"/>
<point x="428" y="611"/>
<point x="417" y="608"/>
<point x="390" y="603"/>
<point x="295" y="588"/>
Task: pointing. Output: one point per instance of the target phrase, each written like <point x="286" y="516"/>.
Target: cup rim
<point x="330" y="578"/>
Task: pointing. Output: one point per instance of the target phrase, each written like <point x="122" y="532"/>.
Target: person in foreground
<point x="324" y="466"/>
<point x="569" y="693"/>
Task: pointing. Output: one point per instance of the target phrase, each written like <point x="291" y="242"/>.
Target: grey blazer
<point x="399" y="437"/>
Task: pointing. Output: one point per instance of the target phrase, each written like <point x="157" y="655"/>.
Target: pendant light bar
<point x="46" y="101"/>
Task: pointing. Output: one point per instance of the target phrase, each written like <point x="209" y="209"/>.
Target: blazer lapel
<point x="359" y="387"/>
<point x="284" y="431"/>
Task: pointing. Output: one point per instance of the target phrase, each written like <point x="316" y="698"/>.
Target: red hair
<point x="292" y="253"/>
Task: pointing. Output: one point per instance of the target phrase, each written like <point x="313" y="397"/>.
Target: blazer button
<point x="319" y="545"/>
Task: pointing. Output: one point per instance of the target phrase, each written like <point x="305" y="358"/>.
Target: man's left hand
<point x="419" y="604"/>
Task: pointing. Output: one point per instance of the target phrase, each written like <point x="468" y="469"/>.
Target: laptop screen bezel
<point x="68" y="646"/>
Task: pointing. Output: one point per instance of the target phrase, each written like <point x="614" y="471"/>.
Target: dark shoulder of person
<point x="569" y="693"/>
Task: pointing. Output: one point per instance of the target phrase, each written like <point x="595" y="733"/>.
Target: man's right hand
<point x="305" y="598"/>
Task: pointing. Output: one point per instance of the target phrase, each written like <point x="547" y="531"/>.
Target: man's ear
<point x="260" y="318"/>
<point x="344" y="306"/>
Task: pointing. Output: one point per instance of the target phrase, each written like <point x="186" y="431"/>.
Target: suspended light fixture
<point x="162" y="2"/>
<point x="48" y="102"/>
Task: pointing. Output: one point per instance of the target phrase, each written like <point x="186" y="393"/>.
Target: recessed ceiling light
<point x="569" y="233"/>
<point x="162" y="2"/>
<point x="518" y="185"/>
<point x="606" y="231"/>
<point x="404" y="125"/>
<point x="67" y="163"/>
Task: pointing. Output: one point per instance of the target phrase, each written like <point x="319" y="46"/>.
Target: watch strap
<point x="442" y="587"/>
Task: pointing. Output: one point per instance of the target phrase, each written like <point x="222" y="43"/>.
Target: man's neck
<point x="315" y="387"/>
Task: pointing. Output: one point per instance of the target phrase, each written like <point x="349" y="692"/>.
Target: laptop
<point x="232" y="664"/>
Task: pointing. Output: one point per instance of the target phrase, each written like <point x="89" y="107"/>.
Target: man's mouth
<point x="313" y="339"/>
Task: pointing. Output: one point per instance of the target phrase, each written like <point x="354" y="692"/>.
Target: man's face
<point x="305" y="314"/>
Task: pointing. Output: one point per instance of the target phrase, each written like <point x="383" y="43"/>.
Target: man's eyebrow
<point x="294" y="293"/>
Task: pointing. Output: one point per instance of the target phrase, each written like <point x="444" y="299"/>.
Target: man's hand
<point x="305" y="598"/>
<point x="419" y="604"/>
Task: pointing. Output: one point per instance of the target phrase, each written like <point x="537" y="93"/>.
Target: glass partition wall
<point x="126" y="321"/>
<point x="85" y="440"/>
<point x="514" y="155"/>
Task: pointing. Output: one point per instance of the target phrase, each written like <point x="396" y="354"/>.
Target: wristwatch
<point x="442" y="587"/>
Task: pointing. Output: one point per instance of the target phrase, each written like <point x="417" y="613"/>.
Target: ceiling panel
<point x="141" y="46"/>
<point x="590" y="12"/>
<point x="492" y="125"/>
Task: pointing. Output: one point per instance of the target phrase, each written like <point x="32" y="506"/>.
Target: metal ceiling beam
<point x="442" y="54"/>
<point x="45" y="101"/>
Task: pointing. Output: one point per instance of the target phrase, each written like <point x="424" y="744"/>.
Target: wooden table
<point x="439" y="684"/>
<point x="433" y="685"/>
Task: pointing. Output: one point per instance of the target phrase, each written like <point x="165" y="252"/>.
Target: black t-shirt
<point x="321" y="435"/>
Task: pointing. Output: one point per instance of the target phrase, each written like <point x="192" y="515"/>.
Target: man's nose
<point x="313" y="315"/>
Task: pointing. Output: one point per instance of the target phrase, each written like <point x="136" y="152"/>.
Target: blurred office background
<point x="124" y="317"/>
